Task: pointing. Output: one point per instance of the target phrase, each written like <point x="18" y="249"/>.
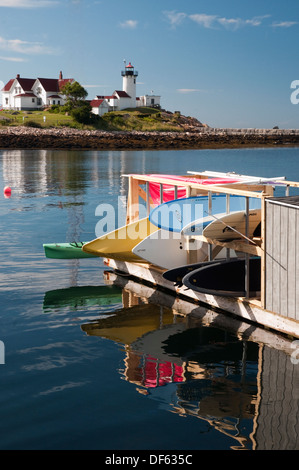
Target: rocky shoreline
<point x="205" y="137"/>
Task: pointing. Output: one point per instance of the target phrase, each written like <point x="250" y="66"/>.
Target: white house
<point x="99" y="106"/>
<point x="31" y="94"/>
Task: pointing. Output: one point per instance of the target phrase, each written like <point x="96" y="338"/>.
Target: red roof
<point x="53" y="84"/>
<point x="8" y="85"/>
<point x="122" y="94"/>
<point x="96" y="103"/>
<point x="26" y="83"/>
<point x="49" y="84"/>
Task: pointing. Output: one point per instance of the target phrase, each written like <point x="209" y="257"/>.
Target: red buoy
<point x="7" y="191"/>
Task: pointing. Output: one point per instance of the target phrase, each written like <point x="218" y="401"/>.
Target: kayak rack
<point x="242" y="185"/>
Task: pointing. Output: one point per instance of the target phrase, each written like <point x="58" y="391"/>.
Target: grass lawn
<point x="18" y="118"/>
<point x="139" y="119"/>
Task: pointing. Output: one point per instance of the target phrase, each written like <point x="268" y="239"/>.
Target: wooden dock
<point x="277" y="308"/>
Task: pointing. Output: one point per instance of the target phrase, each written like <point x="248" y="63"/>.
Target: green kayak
<point x="71" y="250"/>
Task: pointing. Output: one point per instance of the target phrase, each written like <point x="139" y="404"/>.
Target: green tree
<point x="74" y="92"/>
<point x="76" y="104"/>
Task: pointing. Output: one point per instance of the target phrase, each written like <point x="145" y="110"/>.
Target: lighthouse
<point x="129" y="83"/>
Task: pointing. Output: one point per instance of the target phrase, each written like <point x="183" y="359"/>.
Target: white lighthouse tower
<point x="129" y="83"/>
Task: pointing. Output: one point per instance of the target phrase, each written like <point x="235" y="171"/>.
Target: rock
<point x="192" y="138"/>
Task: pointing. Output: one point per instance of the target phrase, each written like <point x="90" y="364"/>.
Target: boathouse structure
<point x="277" y="245"/>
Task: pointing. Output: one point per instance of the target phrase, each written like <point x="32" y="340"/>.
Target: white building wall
<point x="8" y="96"/>
<point x="113" y="103"/>
<point x="24" y="102"/>
<point x="39" y="91"/>
<point x="6" y="100"/>
<point x="124" y="103"/>
<point x="150" y="100"/>
<point x="100" y="110"/>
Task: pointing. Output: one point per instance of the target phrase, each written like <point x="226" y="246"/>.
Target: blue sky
<point x="229" y="63"/>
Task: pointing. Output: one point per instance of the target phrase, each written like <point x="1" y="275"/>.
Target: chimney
<point x="60" y="75"/>
<point x="18" y="75"/>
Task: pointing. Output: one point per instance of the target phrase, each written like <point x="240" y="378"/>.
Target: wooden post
<point x="263" y="255"/>
<point x="227" y="211"/>
<point x="247" y="267"/>
<point x="161" y="193"/>
<point x="147" y="199"/>
<point x="268" y="192"/>
<point x="133" y="201"/>
<point x="210" y="212"/>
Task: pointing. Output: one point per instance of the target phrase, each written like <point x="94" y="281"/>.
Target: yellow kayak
<point x="119" y="243"/>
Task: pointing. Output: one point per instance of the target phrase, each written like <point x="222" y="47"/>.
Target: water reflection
<point x="235" y="377"/>
<point x="44" y="172"/>
<point x="65" y="172"/>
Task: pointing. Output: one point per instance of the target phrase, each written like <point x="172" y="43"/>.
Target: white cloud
<point x="174" y="17"/>
<point x="235" y="23"/>
<point x="231" y="23"/>
<point x="24" y="47"/>
<point x="129" y="24"/>
<point x="284" y="24"/>
<point x="190" y="90"/>
<point x="27" y="3"/>
<point x="207" y="21"/>
<point x="13" y="59"/>
<point x="213" y="21"/>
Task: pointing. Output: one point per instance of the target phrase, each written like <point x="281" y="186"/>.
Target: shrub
<point x="82" y="114"/>
<point x="32" y="124"/>
<point x="5" y="122"/>
<point x="55" y="108"/>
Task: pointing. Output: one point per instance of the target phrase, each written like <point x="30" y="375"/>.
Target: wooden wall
<point x="282" y="256"/>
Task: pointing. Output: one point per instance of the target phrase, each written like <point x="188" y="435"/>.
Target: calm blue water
<point x="97" y="363"/>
